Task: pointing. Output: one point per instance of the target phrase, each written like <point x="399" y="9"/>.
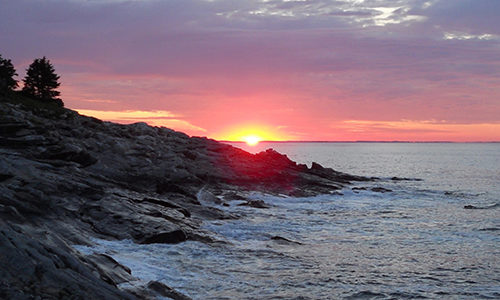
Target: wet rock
<point x="469" y="206"/>
<point x="233" y="196"/>
<point x="172" y="237"/>
<point x="359" y="188"/>
<point x="490" y="229"/>
<point x="282" y="240"/>
<point x="166" y="291"/>
<point x="405" y="179"/>
<point x="255" y="204"/>
<point x="334" y="176"/>
<point x="168" y="204"/>
<point x="316" y="167"/>
<point x="109" y="269"/>
<point x="380" y="190"/>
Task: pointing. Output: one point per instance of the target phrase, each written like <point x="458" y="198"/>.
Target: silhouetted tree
<point x="41" y="81"/>
<point x="7" y="73"/>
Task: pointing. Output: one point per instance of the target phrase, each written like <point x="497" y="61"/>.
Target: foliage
<point x="41" y="81"/>
<point x="7" y="73"/>
<point x="37" y="107"/>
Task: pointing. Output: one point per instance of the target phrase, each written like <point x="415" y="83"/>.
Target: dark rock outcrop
<point x="172" y="237"/>
<point x="255" y="204"/>
<point x="109" y="269"/>
<point x="166" y="291"/>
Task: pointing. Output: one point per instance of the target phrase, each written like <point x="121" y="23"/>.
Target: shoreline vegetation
<point x="66" y="179"/>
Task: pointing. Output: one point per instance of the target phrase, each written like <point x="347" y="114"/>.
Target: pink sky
<point x="286" y="70"/>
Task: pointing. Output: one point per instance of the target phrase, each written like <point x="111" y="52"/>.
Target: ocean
<point x="412" y="240"/>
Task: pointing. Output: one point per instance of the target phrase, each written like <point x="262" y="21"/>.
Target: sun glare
<point x="252" y="140"/>
<point x="251" y="134"/>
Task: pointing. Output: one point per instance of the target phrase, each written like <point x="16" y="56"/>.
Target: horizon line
<point x="367" y="141"/>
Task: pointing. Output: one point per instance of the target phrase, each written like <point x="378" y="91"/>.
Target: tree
<point x="7" y="73"/>
<point x="41" y="81"/>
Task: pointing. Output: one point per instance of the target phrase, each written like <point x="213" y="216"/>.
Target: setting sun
<point x="252" y="140"/>
<point x="252" y="134"/>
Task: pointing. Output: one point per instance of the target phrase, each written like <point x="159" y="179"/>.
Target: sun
<point x="251" y="134"/>
<point x="252" y="140"/>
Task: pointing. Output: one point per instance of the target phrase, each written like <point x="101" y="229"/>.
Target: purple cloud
<point x="339" y="59"/>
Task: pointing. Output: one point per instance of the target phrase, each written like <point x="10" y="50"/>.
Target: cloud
<point x="325" y="60"/>
<point x="153" y="118"/>
<point x="409" y="130"/>
<point x="466" y="36"/>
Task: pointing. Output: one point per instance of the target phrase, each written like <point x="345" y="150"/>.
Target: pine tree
<point x="41" y="81"/>
<point x="7" y="73"/>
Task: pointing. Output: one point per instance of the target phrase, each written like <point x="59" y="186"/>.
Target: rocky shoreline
<point x="66" y="179"/>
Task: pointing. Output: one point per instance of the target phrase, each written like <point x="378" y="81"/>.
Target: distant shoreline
<point x="367" y="142"/>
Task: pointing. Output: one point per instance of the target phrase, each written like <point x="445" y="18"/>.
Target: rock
<point x="110" y="270"/>
<point x="380" y="190"/>
<point x="172" y="237"/>
<point x="37" y="264"/>
<point x="23" y="141"/>
<point x="496" y="205"/>
<point x="168" y="204"/>
<point x="166" y="291"/>
<point x="204" y="196"/>
<point x="316" y="167"/>
<point x="69" y="153"/>
<point x="282" y="240"/>
<point x="12" y="128"/>
<point x="4" y="177"/>
<point x="405" y="179"/>
<point x="233" y="196"/>
<point x="68" y="179"/>
<point x="255" y="203"/>
<point x="490" y="229"/>
<point x="359" y="188"/>
<point x="163" y="187"/>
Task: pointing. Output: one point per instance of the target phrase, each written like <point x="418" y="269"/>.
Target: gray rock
<point x="109" y="269"/>
<point x="255" y="203"/>
<point x="204" y="196"/>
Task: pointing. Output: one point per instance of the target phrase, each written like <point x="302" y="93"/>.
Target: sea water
<point x="414" y="241"/>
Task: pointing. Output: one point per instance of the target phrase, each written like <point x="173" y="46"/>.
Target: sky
<point x="338" y="70"/>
